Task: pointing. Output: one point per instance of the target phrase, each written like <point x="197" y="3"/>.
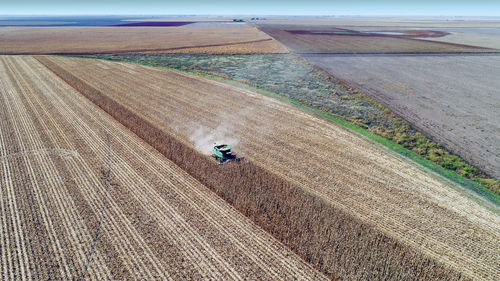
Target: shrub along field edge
<point x="330" y="239"/>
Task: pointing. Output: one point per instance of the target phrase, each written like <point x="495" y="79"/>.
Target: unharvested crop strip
<point x="322" y="234"/>
<point x="142" y="50"/>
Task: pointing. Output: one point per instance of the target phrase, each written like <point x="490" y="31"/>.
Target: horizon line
<point x="256" y="14"/>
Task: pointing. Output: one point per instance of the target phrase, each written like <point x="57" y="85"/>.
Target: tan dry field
<point x="318" y="43"/>
<point x="481" y="40"/>
<point x="83" y="40"/>
<point x="336" y="165"/>
<point x="264" y="46"/>
<point x="425" y="22"/>
<point x="451" y="98"/>
<point x="81" y="196"/>
<point x="486" y="37"/>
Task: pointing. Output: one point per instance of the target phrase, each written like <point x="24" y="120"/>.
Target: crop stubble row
<point x="404" y="232"/>
<point x="154" y="220"/>
<point x="377" y="188"/>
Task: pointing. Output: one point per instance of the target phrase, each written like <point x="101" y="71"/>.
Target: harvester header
<point x="222" y="153"/>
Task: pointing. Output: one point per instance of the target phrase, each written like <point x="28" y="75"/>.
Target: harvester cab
<point x="222" y="153"/>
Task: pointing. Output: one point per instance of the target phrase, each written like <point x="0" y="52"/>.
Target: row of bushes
<point x="333" y="241"/>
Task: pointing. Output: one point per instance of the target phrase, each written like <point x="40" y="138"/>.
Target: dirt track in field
<point x="453" y="99"/>
<point x="81" y="196"/>
<point x="349" y="172"/>
<point x="90" y="40"/>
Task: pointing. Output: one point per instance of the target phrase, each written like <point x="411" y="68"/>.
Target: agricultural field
<point x="286" y="74"/>
<point x="81" y="197"/>
<point x="482" y="37"/>
<point x="257" y="47"/>
<point x="384" y="34"/>
<point x="317" y="39"/>
<point x="83" y="40"/>
<point x="452" y="98"/>
<point x="292" y="77"/>
<point x="396" y="201"/>
<point x="385" y="22"/>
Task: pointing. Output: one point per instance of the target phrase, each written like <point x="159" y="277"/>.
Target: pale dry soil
<point x="344" y="169"/>
<point x="83" y="197"/>
<point x="454" y="99"/>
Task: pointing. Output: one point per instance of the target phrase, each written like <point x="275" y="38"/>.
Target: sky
<point x="252" y="7"/>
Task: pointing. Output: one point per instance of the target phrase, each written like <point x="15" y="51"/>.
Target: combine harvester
<point x="222" y="153"/>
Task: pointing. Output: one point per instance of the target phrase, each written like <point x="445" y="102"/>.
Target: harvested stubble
<point x="320" y="43"/>
<point x="83" y="197"/>
<point x="326" y="236"/>
<point x="92" y="40"/>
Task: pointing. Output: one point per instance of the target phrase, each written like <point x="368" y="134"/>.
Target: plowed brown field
<point x="317" y="40"/>
<point x="81" y="196"/>
<point x="347" y="171"/>
<point x="89" y="40"/>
